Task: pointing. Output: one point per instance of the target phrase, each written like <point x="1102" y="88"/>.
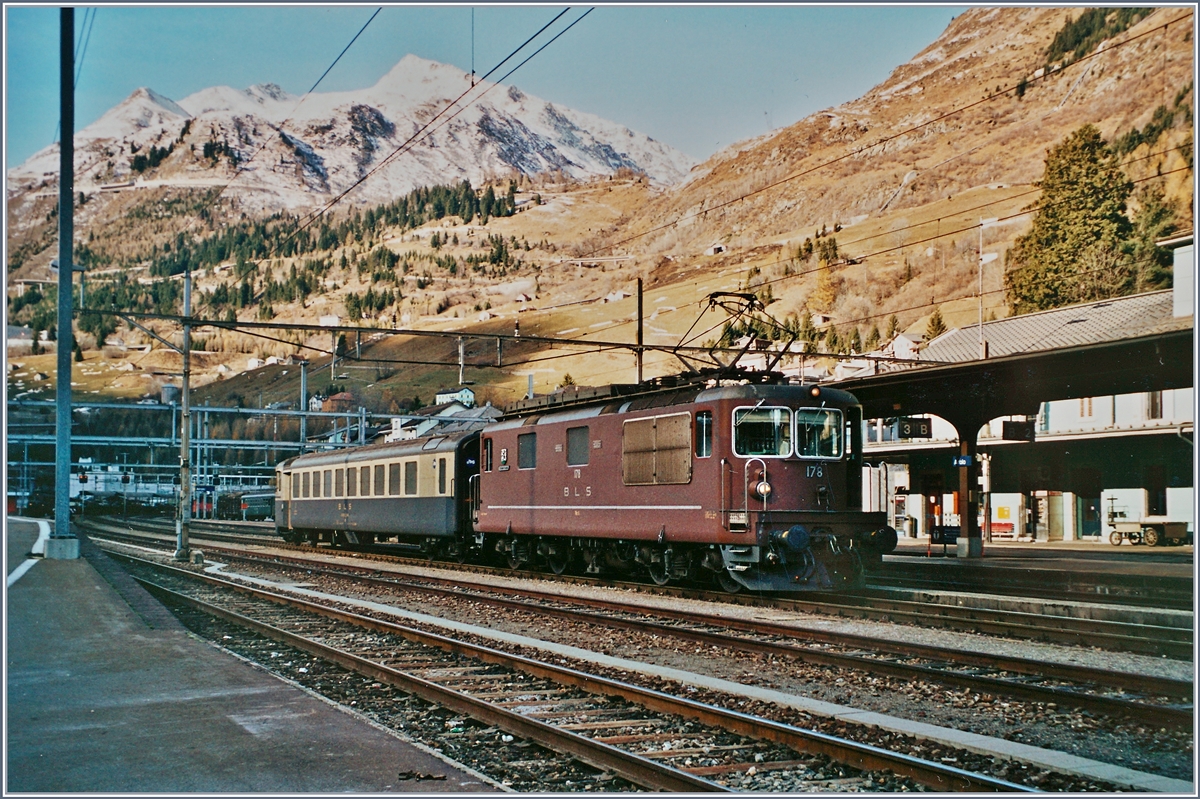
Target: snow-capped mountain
<point x="295" y="152"/>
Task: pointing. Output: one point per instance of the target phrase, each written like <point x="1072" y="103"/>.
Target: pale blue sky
<point x="695" y="77"/>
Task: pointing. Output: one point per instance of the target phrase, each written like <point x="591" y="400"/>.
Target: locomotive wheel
<point x="1115" y="538"/>
<point x="1135" y="538"/>
<point x="1151" y="536"/>
<point x="659" y="566"/>
<point x="727" y="583"/>
<point x="558" y="562"/>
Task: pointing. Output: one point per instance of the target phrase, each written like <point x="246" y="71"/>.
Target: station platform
<point x="1090" y="555"/>
<point x="1085" y="570"/>
<point x="107" y="692"/>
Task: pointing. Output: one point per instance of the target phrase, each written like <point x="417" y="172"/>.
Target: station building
<point x="1063" y="474"/>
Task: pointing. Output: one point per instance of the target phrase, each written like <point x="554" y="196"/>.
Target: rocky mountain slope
<point x="295" y="154"/>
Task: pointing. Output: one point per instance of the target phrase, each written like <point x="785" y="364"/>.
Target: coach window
<point x="819" y="433"/>
<point x="339" y="482"/>
<point x="379" y="480"/>
<point x="393" y="479"/>
<point x="487" y="454"/>
<point x="316" y="484"/>
<point x="364" y="481"/>
<point x="578" y="444"/>
<point x="352" y="482"/>
<point x="305" y="476"/>
<point x="441" y="475"/>
<point x="410" y="478"/>
<point x="527" y="451"/>
<point x="703" y="434"/>
<point x="295" y="485"/>
<point x="328" y="490"/>
<point x="762" y="431"/>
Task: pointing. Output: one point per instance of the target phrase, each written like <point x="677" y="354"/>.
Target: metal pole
<point x="461" y="359"/>
<point x="63" y="545"/>
<point x="183" y="522"/>
<point x="639" y="332"/>
<point x="303" y="405"/>
<point x="981" y="288"/>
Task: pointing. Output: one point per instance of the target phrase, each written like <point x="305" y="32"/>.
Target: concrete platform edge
<point x="361" y="717"/>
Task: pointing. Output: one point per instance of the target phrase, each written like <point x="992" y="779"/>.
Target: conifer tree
<point x="936" y="326"/>
<point x="1077" y="235"/>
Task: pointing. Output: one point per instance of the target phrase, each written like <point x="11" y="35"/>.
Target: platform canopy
<point x="1120" y="346"/>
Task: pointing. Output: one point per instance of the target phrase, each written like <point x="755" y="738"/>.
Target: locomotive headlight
<point x="763" y="489"/>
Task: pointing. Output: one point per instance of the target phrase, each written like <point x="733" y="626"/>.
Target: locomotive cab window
<point x="703" y="434"/>
<point x="762" y="432"/>
<point x="487" y="454"/>
<point x="819" y="433"/>
<point x="527" y="451"/>
<point x="578" y="444"/>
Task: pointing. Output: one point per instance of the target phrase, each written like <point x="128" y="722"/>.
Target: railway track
<point x="1145" y="699"/>
<point x="1122" y="636"/>
<point x="648" y="738"/>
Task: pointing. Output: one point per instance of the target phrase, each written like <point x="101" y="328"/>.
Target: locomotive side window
<point x="305" y="475"/>
<point x="441" y="469"/>
<point x="819" y="433"/>
<point x="329" y="482"/>
<point x="379" y="480"/>
<point x="339" y="482"/>
<point x="410" y="478"/>
<point x="527" y="451"/>
<point x="352" y="482"/>
<point x="761" y="431"/>
<point x="703" y="434"/>
<point x="364" y="479"/>
<point x="393" y="479"/>
<point x="578" y="444"/>
<point x="487" y="454"/>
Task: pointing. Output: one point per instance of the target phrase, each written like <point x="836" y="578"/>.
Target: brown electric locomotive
<point x="755" y="485"/>
<point x="752" y="486"/>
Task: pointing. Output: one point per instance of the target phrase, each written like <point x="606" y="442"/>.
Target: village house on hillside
<point x="342" y="402"/>
<point x="461" y="394"/>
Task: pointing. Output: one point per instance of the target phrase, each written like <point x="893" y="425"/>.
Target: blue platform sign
<point x="963" y="460"/>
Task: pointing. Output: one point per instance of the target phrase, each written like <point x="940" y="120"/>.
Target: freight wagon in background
<point x="748" y="485"/>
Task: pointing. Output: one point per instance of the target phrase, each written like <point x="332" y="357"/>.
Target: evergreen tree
<point x="1154" y="219"/>
<point x="872" y="342"/>
<point x="855" y="343"/>
<point x="833" y="343"/>
<point x="1081" y="221"/>
<point x="936" y="326"/>
<point x="893" y="327"/>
